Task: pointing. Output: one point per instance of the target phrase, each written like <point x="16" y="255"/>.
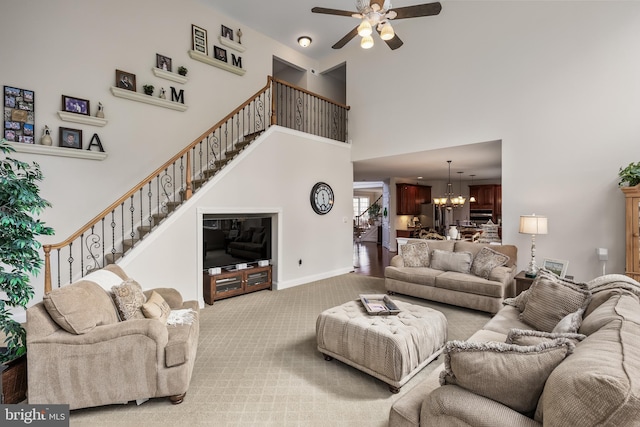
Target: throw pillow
<point x="129" y="298"/>
<point x="156" y="308"/>
<point x="486" y="260"/>
<point x="519" y="302"/>
<point x="550" y="299"/>
<point x="80" y="307"/>
<point x="510" y="374"/>
<point x="415" y="254"/>
<point x="570" y="323"/>
<point x="451" y="261"/>
<point x="527" y="337"/>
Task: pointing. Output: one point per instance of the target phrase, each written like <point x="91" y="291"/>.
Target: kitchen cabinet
<point x="410" y="197"/>
<point x="488" y="197"/>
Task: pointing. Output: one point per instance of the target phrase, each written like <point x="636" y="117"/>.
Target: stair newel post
<point x="47" y="268"/>
<point x="274" y="119"/>
<point x="189" y="190"/>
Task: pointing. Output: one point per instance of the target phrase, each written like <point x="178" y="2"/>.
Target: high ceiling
<point x="286" y="20"/>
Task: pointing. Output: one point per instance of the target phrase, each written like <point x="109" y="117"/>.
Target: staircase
<point x="117" y="229"/>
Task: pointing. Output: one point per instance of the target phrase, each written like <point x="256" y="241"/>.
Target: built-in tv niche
<point x="231" y="239"/>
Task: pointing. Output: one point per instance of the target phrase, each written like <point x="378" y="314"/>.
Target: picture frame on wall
<point x="19" y="115"/>
<point x="75" y="105"/>
<point x="199" y="37"/>
<point x="163" y="62"/>
<point x="556" y="266"/>
<point x="70" y="138"/>
<point x="226" y="32"/>
<point x="220" y="53"/>
<point x="125" y="80"/>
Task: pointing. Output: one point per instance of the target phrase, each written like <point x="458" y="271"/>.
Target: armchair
<point x="80" y="353"/>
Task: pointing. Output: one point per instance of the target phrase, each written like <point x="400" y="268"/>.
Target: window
<point x="360" y="204"/>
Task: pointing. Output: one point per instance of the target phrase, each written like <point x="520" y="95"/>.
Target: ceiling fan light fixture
<point x="366" y="42"/>
<point x="387" y="32"/>
<point x="304" y="41"/>
<point x="364" y="29"/>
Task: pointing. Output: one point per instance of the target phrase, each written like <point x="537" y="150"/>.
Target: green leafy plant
<point x="148" y="89"/>
<point x="20" y="203"/>
<point x="182" y="70"/>
<point x="630" y="176"/>
<point x="374" y="210"/>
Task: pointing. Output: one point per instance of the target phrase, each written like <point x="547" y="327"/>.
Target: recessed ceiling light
<point x="304" y="41"/>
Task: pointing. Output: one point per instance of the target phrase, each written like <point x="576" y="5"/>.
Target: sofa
<point x="103" y="340"/>
<point x="584" y="371"/>
<point x="466" y="274"/>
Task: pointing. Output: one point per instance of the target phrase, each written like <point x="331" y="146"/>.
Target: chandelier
<point x="374" y="17"/>
<point x="449" y="201"/>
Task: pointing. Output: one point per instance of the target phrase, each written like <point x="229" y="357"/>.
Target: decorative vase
<point x="453" y="232"/>
<point x="46" y="137"/>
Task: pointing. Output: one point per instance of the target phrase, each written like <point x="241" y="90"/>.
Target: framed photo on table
<point x="199" y="36"/>
<point x="75" y="105"/>
<point x="556" y="266"/>
<point x="71" y="138"/>
<point x="220" y="53"/>
<point x="163" y="62"/>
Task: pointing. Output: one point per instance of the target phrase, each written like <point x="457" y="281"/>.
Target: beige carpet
<point x="258" y="365"/>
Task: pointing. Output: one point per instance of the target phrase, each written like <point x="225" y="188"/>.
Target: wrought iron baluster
<point x="70" y="261"/>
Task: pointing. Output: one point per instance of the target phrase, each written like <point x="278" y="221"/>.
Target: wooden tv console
<point x="234" y="282"/>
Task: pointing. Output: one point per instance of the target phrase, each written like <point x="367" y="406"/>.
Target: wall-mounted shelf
<point x="216" y="63"/>
<point x="147" y="99"/>
<point x="168" y="75"/>
<point x="79" y="118"/>
<point x="233" y="45"/>
<point x="50" y="150"/>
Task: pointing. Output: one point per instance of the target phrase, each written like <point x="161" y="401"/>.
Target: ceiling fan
<point x="377" y="14"/>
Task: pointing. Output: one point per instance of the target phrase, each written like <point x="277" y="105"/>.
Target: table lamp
<point x="533" y="224"/>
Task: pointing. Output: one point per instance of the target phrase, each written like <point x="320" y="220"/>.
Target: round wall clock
<point x="321" y="198"/>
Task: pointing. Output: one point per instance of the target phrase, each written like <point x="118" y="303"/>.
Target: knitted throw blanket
<point x="614" y="281"/>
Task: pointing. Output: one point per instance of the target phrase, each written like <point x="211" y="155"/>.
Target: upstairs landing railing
<point x="119" y="227"/>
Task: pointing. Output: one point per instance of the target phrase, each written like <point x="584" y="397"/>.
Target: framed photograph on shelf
<point x="75" y="105"/>
<point x="226" y="32"/>
<point x="220" y="53"/>
<point x="199" y="36"/>
<point x="19" y="115"/>
<point x="125" y="80"/>
<point x="163" y="62"/>
<point x="556" y="266"/>
<point x="71" y="138"/>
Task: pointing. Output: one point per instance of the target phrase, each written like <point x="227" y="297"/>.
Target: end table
<point x="523" y="282"/>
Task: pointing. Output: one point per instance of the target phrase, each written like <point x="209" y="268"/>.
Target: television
<point x="235" y="239"/>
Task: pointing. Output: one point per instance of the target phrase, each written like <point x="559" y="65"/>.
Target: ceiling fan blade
<point x="332" y="11"/>
<point x="394" y="43"/>
<point x="427" y="9"/>
<point x="346" y="39"/>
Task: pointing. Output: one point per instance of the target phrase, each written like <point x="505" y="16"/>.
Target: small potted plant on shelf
<point x="148" y="89"/>
<point x="20" y="203"/>
<point x="629" y="176"/>
<point x="182" y="70"/>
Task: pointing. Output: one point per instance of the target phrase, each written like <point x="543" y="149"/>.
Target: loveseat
<point x="250" y="244"/>
<point x="520" y="370"/>
<point x="454" y="272"/>
<point x="102" y="340"/>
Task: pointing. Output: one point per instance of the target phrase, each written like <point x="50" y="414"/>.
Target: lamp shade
<point x="533" y="224"/>
<point x="366" y="42"/>
<point x="364" y="29"/>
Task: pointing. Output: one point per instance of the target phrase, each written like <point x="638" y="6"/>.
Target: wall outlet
<point x="603" y="254"/>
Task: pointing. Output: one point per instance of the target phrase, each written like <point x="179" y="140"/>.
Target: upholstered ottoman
<point x="392" y="348"/>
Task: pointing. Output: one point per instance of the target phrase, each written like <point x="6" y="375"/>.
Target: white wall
<point x="556" y="81"/>
<point x="274" y="175"/>
<point x="73" y="47"/>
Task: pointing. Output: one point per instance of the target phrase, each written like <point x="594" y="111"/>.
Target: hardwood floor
<point x="370" y="259"/>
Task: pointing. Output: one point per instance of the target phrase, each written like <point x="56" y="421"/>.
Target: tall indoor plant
<point x="20" y="204"/>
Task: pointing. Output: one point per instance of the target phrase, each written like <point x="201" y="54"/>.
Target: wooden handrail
<point x="315" y="95"/>
<point x="167" y="165"/>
